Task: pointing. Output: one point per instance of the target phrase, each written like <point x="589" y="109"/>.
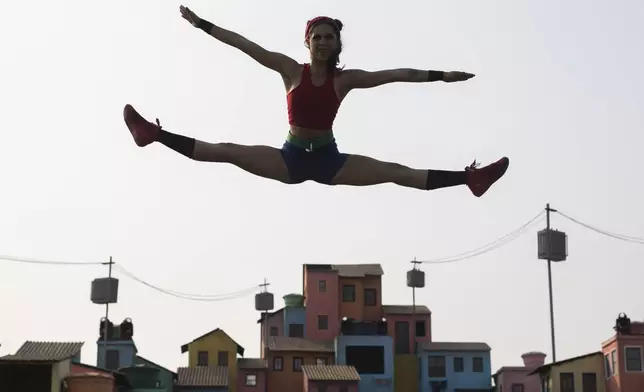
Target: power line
<point x="626" y="238"/>
<point x="496" y="244"/>
<point x="48" y="262"/>
<point x="188" y="296"/>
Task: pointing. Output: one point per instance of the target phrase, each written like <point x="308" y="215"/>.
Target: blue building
<point x="455" y="366"/>
<point x="367" y="347"/>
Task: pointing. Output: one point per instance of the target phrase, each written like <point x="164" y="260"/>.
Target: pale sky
<point x="559" y="89"/>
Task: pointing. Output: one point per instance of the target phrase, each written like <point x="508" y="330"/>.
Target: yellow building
<point x="214" y="349"/>
<point x="582" y="373"/>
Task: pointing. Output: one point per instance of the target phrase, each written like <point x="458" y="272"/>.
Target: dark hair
<point x="336" y="24"/>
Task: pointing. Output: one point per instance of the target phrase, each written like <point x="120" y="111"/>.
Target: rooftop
<point x="405" y="309"/>
<point x="284" y="343"/>
<point x="330" y="373"/>
<point x="203" y="376"/>
<point x="455" y="346"/>
<point x="45" y="351"/>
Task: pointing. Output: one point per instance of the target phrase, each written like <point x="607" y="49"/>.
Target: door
<point x="401" y="337"/>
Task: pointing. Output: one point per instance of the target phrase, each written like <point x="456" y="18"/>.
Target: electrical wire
<point x="626" y="238"/>
<point x="48" y="262"/>
<point x="496" y="244"/>
<point x="118" y="267"/>
<point x="188" y="296"/>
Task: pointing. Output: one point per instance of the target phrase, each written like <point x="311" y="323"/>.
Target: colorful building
<point x="520" y="378"/>
<point x="367" y="347"/>
<point x="337" y="297"/>
<point x="215" y="349"/>
<point x="285" y="357"/>
<point x="455" y="366"/>
<point x="623" y="356"/>
<point x="582" y="373"/>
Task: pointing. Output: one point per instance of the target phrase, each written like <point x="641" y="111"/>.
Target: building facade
<point x="455" y="366"/>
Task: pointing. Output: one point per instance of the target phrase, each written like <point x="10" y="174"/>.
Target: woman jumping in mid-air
<point x="314" y="92"/>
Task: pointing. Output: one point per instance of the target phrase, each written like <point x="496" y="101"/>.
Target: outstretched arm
<point x="357" y="78"/>
<point x="278" y="62"/>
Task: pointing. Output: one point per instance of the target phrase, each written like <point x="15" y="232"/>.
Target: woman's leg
<point x="263" y="161"/>
<point x="362" y="171"/>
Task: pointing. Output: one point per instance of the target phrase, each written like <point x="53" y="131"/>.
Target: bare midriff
<point x="308" y="133"/>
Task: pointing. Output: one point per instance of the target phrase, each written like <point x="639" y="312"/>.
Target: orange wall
<point x="288" y="380"/>
<point x="312" y="386"/>
<point x="357" y="310"/>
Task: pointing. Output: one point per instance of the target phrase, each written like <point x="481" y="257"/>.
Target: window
<point x="607" y="368"/>
<point x="113" y="361"/>
<point x="348" y="293"/>
<point x="323" y="322"/>
<point x="202" y="358"/>
<point x="459" y="365"/>
<point x="589" y="382"/>
<point x="297" y="364"/>
<point x="322" y="286"/>
<point x="567" y="382"/>
<point x="296" y="330"/>
<point x="477" y="365"/>
<point x="421" y="331"/>
<point x="436" y="366"/>
<point x="251" y="379"/>
<point x="366" y="359"/>
<point x="517" y="387"/>
<point x="370" y="297"/>
<point x="278" y="363"/>
<point x="274" y="331"/>
<point x="320" y="361"/>
<point x="222" y="358"/>
<point x="633" y="357"/>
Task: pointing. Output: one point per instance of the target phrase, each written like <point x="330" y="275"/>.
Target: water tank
<point x="533" y="359"/>
<point x="105" y="291"/>
<point x="553" y="245"/>
<point x="89" y="382"/>
<point x="101" y="328"/>
<point x="127" y="329"/>
<point x="293" y="300"/>
<point x="415" y="278"/>
<point x="264" y="301"/>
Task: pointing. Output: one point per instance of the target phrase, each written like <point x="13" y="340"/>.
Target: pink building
<point x="623" y="357"/>
<point x="517" y="378"/>
<point x="330" y="378"/>
<point x="275" y="327"/>
<point x="408" y="325"/>
<point x="321" y="292"/>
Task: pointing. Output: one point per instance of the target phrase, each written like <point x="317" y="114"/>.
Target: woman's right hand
<point x="189" y="16"/>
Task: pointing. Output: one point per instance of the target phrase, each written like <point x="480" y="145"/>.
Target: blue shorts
<point x="319" y="165"/>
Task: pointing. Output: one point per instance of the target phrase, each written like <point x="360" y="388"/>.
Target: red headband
<point x="317" y="19"/>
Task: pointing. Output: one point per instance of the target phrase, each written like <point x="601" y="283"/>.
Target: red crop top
<point x="311" y="106"/>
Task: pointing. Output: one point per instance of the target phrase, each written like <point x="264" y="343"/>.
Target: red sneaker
<point x="480" y="180"/>
<point x="143" y="131"/>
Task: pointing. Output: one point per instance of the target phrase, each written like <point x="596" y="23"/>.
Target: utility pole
<point x="107" y="312"/>
<point x="413" y="309"/>
<point x="264" y="287"/>
<point x="552" y="310"/>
